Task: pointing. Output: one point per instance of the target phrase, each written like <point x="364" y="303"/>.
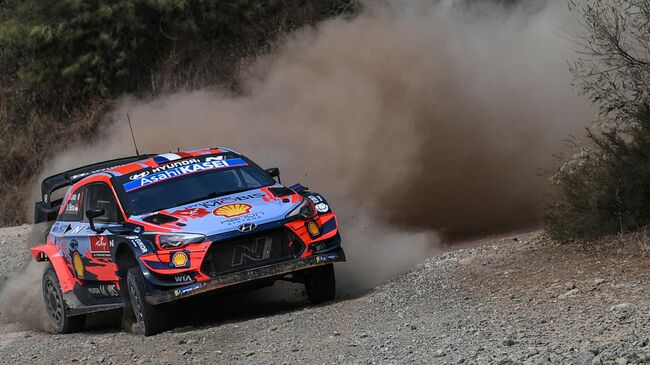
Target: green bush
<point x="605" y="186"/>
<point x="605" y="189"/>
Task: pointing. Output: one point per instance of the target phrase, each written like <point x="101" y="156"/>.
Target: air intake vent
<point x="251" y="251"/>
<point x="280" y="192"/>
<point x="160" y="219"/>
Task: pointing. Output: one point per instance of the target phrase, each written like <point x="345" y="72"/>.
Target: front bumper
<point x="261" y="272"/>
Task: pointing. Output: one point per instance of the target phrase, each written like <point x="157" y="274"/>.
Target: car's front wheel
<point x="56" y="308"/>
<point x="320" y="284"/>
<point x="151" y="319"/>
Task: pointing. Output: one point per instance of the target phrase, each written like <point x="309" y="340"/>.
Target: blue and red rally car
<point x="139" y="232"/>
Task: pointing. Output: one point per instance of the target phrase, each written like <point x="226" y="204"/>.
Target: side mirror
<point x="44" y="214"/>
<point x="92" y="214"/>
<point x="274" y="172"/>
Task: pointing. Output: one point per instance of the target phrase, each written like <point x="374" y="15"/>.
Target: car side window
<point x="72" y="210"/>
<point x="100" y="196"/>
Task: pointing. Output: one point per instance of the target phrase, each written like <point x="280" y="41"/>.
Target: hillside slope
<point x="516" y="299"/>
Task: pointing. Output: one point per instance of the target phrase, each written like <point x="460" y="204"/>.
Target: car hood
<point x="227" y="213"/>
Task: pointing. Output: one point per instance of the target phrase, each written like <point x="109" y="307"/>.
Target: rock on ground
<point x="520" y="299"/>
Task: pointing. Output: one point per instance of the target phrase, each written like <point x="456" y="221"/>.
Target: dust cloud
<point x="415" y="119"/>
<point x="21" y="298"/>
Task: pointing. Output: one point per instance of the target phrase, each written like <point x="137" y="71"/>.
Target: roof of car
<point x="119" y="167"/>
<point x="157" y="160"/>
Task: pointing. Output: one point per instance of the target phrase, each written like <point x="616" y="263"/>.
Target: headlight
<point x="306" y="210"/>
<point x="174" y="240"/>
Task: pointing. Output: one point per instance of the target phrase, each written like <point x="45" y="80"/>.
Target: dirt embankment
<point x="519" y="299"/>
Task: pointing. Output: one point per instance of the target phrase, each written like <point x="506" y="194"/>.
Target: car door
<point x="97" y="255"/>
<point x="67" y="229"/>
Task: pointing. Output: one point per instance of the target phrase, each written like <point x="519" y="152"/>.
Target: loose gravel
<point x="519" y="299"/>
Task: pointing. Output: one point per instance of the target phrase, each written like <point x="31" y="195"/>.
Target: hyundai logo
<point x="247" y="227"/>
<point x="139" y="175"/>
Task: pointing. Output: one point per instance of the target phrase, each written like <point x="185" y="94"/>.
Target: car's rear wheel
<point x="320" y="284"/>
<point x="151" y="319"/>
<point x="56" y="308"/>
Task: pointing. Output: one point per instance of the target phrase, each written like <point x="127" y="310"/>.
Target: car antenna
<point x="132" y="135"/>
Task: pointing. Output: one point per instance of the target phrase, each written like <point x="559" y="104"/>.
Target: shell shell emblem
<point x="180" y="259"/>
<point x="232" y="210"/>
<point x="78" y="265"/>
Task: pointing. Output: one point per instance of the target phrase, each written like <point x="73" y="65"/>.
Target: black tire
<point x="320" y="284"/>
<point x="151" y="319"/>
<point x="55" y="306"/>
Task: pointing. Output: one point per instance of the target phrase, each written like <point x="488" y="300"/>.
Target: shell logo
<point x="232" y="210"/>
<point x="78" y="265"/>
<point x="179" y="259"/>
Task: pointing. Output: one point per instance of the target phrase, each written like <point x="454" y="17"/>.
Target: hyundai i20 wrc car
<point x="139" y="232"/>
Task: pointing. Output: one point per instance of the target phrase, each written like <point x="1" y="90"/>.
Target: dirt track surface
<point x="519" y="300"/>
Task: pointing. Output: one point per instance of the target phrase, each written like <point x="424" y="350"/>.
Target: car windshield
<point x="195" y="187"/>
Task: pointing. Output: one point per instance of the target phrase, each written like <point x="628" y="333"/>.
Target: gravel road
<point x="516" y="299"/>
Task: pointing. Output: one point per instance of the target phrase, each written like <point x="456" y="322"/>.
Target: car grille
<point x="251" y="251"/>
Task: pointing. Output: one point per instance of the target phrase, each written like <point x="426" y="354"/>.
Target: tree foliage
<point x="75" y="49"/>
<point x="63" y="62"/>
<point x="604" y="187"/>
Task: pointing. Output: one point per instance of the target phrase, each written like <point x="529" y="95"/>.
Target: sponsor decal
<point x="257" y="250"/>
<point x="173" y="172"/>
<point x="228" y="200"/>
<point x="242" y="219"/>
<point x="139" y="244"/>
<point x="313" y="229"/>
<point x="182" y="278"/>
<point x="172" y="165"/>
<point x="180" y="259"/>
<point x="137" y="230"/>
<point x="232" y="210"/>
<point x="247" y="227"/>
<point x="188" y="289"/>
<point x="318" y="200"/>
<point x="57" y="228"/>
<point x="215" y="158"/>
<point x="322" y="207"/>
<point x="191" y="213"/>
<point x="73" y="204"/>
<point x="78" y="265"/>
<point x="139" y="175"/>
<point x="104" y="290"/>
<point x="99" y="244"/>
<point x="326" y="258"/>
<point x="77" y="229"/>
<point x="142" y="174"/>
<point x="315" y="198"/>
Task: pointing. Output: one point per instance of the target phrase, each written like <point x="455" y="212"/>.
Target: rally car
<point x="140" y="232"/>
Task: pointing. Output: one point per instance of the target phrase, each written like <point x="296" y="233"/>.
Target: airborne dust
<point x="415" y="120"/>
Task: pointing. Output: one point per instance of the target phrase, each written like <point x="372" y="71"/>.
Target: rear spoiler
<point x="46" y="210"/>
